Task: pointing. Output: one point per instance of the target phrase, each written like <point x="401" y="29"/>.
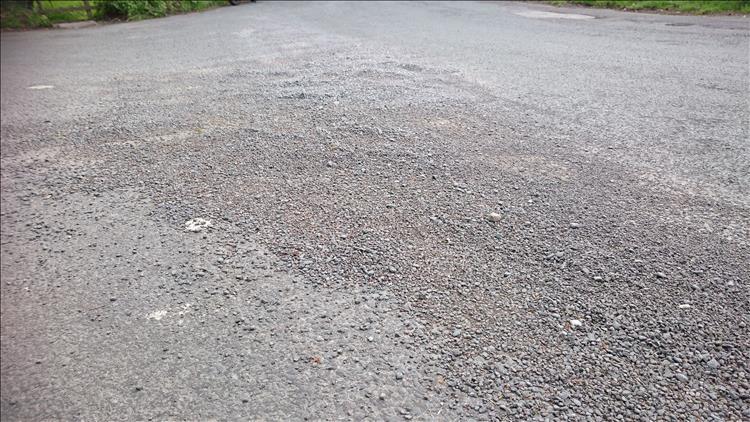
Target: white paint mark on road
<point x="551" y="15"/>
<point x="41" y="87"/>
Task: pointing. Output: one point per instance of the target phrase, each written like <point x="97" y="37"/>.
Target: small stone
<point x="456" y="332"/>
<point x="681" y="377"/>
<point x="575" y="225"/>
<point x="575" y="323"/>
<point x="381" y="396"/>
<point x="713" y="364"/>
<point x="494" y="217"/>
<point x="684" y="306"/>
<point x="113" y="299"/>
<point x="329" y="164"/>
<point x="197" y="225"/>
<point x="661" y="275"/>
<point x="399" y="375"/>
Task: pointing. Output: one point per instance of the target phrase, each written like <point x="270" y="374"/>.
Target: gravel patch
<point x="482" y="255"/>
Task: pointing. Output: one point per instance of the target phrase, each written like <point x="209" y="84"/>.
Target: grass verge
<point x="698" y="7"/>
<point x="15" y="14"/>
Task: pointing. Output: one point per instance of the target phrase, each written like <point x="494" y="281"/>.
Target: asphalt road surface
<point x="428" y="211"/>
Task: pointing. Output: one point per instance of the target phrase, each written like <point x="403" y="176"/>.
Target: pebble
<point x="713" y="364"/>
<point x="494" y="217"/>
<point x="575" y="225"/>
<point x="682" y="377"/>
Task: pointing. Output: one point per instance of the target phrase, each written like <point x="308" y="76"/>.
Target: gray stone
<point x="74" y="25"/>
<point x="494" y="217"/>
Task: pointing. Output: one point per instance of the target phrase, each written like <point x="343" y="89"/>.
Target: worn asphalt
<point x="418" y="210"/>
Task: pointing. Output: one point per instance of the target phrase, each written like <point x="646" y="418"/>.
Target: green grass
<point x="699" y="7"/>
<point x="14" y="16"/>
<point x="49" y="7"/>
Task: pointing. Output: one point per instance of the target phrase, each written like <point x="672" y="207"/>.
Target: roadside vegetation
<point x="699" y="7"/>
<point x="25" y="14"/>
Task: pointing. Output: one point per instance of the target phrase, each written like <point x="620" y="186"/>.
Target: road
<point x="423" y="210"/>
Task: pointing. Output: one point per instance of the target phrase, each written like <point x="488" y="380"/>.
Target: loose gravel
<point x="389" y="238"/>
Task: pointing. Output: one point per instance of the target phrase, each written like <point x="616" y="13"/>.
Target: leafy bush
<point x="141" y="9"/>
<point x="20" y="17"/>
<point x="131" y="9"/>
<point x="19" y="14"/>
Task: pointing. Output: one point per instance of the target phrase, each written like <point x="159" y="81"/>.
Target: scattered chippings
<point x="359" y="167"/>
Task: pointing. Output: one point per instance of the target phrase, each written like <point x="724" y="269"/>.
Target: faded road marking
<point x="552" y="15"/>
